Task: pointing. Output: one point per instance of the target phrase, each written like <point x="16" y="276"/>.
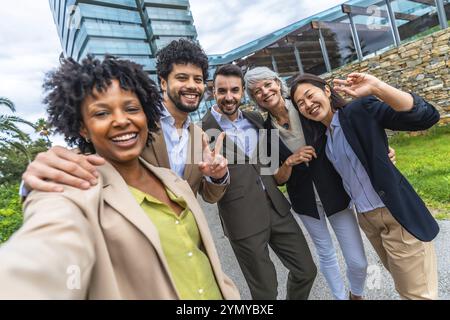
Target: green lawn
<point x="425" y="162"/>
<point x="423" y="33"/>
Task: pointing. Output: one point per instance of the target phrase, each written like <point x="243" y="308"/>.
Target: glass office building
<point x="352" y="31"/>
<point x="355" y="30"/>
<point x="131" y="29"/>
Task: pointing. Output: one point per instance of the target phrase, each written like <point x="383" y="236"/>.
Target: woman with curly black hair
<point x="73" y="82"/>
<point x="182" y="68"/>
<point x="140" y="232"/>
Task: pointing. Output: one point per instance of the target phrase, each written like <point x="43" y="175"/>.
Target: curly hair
<point x="181" y="51"/>
<point x="72" y="82"/>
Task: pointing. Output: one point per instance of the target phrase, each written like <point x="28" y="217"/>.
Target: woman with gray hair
<point x="314" y="187"/>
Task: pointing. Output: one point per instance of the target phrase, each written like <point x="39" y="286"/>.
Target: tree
<point x="44" y="129"/>
<point x="14" y="162"/>
<point x="352" y="56"/>
<point x="10" y="134"/>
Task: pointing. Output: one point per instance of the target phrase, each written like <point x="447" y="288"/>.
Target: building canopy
<point x="339" y="35"/>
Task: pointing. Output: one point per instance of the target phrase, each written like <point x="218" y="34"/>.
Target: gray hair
<point x="253" y="76"/>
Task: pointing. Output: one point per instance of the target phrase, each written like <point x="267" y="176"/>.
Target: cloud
<point x="30" y="47"/>
<point x="225" y="25"/>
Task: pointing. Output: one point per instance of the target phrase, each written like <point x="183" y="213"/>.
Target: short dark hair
<point x="181" y="51"/>
<point x="72" y="82"/>
<point x="229" y="70"/>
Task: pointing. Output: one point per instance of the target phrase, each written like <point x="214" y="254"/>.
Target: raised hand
<point x="304" y="154"/>
<point x="358" y="85"/>
<point x="214" y="165"/>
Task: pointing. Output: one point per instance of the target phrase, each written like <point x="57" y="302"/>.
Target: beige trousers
<point x="411" y="262"/>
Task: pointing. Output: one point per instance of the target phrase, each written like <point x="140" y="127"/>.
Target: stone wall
<point x="421" y="66"/>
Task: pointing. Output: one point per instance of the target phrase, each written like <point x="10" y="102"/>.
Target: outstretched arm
<point x="361" y="84"/>
<point x="392" y="108"/>
<point x="51" y="256"/>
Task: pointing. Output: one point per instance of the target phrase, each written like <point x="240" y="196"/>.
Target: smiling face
<point x="313" y="102"/>
<point x="267" y="94"/>
<point x="115" y="122"/>
<point x="228" y="92"/>
<point x="184" y="87"/>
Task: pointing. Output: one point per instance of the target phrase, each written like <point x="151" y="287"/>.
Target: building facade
<point x="355" y="30"/>
<point x="130" y="29"/>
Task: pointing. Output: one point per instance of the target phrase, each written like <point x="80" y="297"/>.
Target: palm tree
<point x="44" y="129"/>
<point x="8" y="103"/>
<point x="10" y="133"/>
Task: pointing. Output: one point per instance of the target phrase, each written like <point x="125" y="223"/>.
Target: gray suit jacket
<point x="244" y="209"/>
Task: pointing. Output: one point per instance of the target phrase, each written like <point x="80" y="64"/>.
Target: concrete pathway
<point x="383" y="289"/>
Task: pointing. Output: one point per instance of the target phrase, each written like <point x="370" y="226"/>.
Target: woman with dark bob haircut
<point x="391" y="214"/>
<point x="140" y="232"/>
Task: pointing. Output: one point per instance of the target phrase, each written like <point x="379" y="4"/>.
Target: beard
<point x="175" y="97"/>
<point x="228" y="112"/>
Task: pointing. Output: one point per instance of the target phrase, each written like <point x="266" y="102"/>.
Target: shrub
<point x="11" y="217"/>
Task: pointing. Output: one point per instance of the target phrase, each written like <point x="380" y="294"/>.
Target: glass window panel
<point x="339" y="42"/>
<point x="426" y="19"/>
<point x="310" y="52"/>
<point x="374" y="30"/>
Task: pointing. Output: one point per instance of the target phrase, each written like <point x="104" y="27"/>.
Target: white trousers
<point x="346" y="228"/>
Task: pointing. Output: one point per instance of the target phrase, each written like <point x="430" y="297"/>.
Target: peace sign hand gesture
<point x="214" y="165"/>
<point x="358" y="85"/>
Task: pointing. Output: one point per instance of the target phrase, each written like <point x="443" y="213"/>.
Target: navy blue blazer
<point x="328" y="182"/>
<point x="363" y="122"/>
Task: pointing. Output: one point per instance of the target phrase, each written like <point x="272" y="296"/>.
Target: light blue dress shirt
<point x="354" y="176"/>
<point x="241" y="131"/>
<point x="177" y="141"/>
<point x="177" y="144"/>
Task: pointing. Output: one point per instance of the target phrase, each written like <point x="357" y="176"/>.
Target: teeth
<point x="190" y="96"/>
<point x="268" y="98"/>
<point x="125" y="137"/>
<point x="314" y="110"/>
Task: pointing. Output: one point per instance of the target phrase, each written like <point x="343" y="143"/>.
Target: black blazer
<point x="363" y="122"/>
<point x="327" y="181"/>
<point x="243" y="209"/>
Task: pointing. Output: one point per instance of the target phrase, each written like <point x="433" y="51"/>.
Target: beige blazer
<point x="97" y="244"/>
<point x="156" y="154"/>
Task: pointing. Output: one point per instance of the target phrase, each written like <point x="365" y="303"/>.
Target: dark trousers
<point x="286" y="239"/>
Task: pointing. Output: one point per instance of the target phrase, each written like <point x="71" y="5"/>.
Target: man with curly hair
<point x="182" y="68"/>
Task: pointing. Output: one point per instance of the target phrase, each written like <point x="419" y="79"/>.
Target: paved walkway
<point x="376" y="290"/>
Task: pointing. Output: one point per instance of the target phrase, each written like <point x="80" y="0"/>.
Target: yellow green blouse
<point x="180" y="239"/>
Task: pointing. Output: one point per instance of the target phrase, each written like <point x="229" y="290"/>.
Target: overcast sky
<point x="29" y="45"/>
